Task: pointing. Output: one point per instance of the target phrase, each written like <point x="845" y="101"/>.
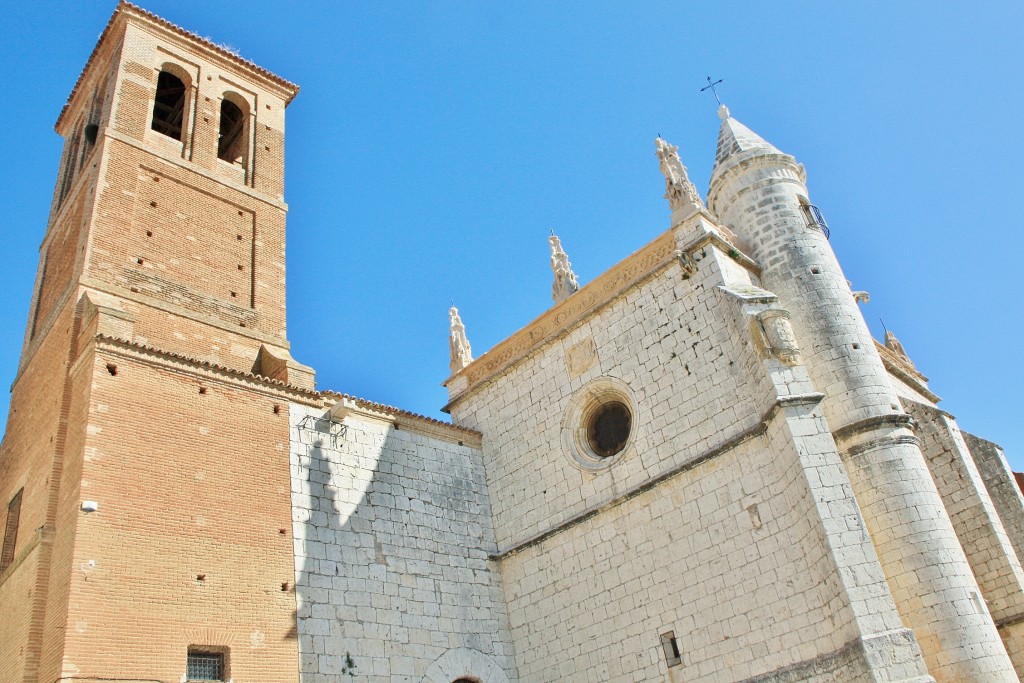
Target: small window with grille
<point x="205" y="665"/>
<point x="815" y="220"/>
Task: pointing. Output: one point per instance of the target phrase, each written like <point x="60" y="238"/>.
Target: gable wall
<point x="729" y="554"/>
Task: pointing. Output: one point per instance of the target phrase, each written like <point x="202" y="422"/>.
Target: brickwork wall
<point x="60" y="257"/>
<point x="27" y="460"/>
<point x="67" y="446"/>
<point x="204" y="338"/>
<point x="210" y="245"/>
<point x="187" y="236"/>
<point x="192" y="541"/>
<point x="189" y="486"/>
<point x="185" y="230"/>
<point x="392" y="533"/>
<point x="17" y="588"/>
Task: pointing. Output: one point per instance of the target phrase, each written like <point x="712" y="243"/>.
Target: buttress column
<point x="759" y="192"/>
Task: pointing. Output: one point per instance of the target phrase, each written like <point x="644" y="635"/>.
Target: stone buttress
<point x="759" y="193"/>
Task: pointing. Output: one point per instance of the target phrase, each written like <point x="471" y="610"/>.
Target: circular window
<point x="608" y="428"/>
<point x="598" y="425"/>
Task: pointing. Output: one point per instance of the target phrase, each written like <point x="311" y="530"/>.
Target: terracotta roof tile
<point x="326" y="394"/>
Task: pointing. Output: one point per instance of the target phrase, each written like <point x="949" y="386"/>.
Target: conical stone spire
<point x="681" y="194"/>
<point x="737" y="144"/>
<point x="565" y="283"/>
<point x="458" y="346"/>
<point x="734" y="137"/>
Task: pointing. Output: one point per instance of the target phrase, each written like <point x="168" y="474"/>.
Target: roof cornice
<point x="126" y="11"/>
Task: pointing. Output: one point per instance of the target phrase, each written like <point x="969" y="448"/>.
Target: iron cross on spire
<point x="711" y="86"/>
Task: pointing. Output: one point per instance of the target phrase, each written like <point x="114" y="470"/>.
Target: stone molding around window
<point x="599" y="424"/>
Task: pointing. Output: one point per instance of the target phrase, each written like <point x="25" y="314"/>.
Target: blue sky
<point x="434" y="146"/>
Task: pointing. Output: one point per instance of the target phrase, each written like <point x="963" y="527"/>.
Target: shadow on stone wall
<point x="392" y="536"/>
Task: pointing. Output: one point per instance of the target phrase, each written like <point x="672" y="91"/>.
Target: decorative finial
<point x="894" y="345"/>
<point x="458" y="346"/>
<point x="723" y="112"/>
<point x="711" y="86"/>
<point x="679" y="191"/>
<point x="565" y="283"/>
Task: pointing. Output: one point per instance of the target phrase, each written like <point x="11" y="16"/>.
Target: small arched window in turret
<point x="169" y="105"/>
<point x="234" y="139"/>
<point x="812" y="214"/>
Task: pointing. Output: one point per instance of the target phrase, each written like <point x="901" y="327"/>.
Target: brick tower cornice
<point x="126" y="13"/>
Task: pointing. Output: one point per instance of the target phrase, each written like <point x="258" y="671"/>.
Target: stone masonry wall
<point x="1001" y="486"/>
<point x="392" y="535"/>
<point x="726" y="554"/>
<point x="666" y="341"/>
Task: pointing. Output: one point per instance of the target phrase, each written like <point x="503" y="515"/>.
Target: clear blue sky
<point x="434" y="145"/>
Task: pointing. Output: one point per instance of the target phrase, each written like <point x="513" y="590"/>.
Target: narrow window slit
<point x="671" y="648"/>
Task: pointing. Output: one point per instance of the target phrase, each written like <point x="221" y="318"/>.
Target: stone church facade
<point x="699" y="466"/>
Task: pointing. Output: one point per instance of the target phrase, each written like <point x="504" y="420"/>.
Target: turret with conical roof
<point x="760" y="193"/>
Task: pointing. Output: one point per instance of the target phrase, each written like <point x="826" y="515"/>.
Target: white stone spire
<point x="679" y="191"/>
<point x="565" y="283"/>
<point x="458" y="346"/>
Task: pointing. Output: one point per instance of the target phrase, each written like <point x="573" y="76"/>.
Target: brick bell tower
<point x="144" y="471"/>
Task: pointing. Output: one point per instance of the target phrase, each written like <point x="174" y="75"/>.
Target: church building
<point x="699" y="466"/>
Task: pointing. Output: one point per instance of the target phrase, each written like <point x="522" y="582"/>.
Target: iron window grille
<point x="205" y="666"/>
<point x="815" y="220"/>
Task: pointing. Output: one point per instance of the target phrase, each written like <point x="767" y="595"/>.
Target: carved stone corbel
<point x="776" y="335"/>
<point x="687" y="263"/>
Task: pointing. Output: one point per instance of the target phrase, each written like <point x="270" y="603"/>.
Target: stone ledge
<point x="213" y="371"/>
<point x="897" y="367"/>
<point x="182" y="312"/>
<point x="178" y="162"/>
<point x="758" y="430"/>
<point x="861" y="650"/>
